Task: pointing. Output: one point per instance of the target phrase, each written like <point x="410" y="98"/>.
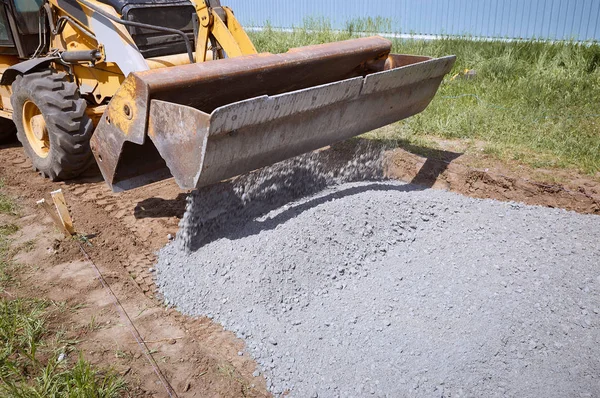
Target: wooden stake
<point x="54" y="216"/>
<point x="63" y="211"/>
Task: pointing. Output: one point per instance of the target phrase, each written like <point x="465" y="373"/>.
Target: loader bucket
<point x="207" y="122"/>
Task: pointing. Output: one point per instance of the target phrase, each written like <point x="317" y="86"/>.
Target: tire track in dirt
<point x="139" y="263"/>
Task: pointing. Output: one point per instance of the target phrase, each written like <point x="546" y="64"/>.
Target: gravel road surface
<point x="377" y="288"/>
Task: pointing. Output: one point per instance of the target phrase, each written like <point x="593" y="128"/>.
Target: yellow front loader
<point x="150" y="89"/>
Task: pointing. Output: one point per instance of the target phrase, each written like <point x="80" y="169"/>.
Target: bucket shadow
<point x="251" y="226"/>
<point x="234" y="209"/>
<point x="435" y="165"/>
<point x="223" y="209"/>
<point x="161" y="208"/>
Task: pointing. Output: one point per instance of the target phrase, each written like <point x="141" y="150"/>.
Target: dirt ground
<point x="125" y="230"/>
<point x="197" y="357"/>
<point x="497" y="180"/>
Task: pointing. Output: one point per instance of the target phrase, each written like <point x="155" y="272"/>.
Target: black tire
<point x="69" y="129"/>
<point x="8" y="131"/>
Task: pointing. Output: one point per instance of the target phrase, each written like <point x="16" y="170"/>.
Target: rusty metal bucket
<point x="204" y="123"/>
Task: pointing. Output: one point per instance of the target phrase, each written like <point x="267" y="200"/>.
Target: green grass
<point x="30" y="349"/>
<point x="534" y="102"/>
<point x="7" y="266"/>
<point x="31" y="367"/>
<point x="7" y="205"/>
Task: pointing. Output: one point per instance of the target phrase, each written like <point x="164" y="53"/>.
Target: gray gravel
<point x="384" y="289"/>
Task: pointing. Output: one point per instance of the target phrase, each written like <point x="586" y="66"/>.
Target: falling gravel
<point x="347" y="285"/>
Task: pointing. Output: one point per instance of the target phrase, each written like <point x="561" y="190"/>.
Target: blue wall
<point x="521" y="19"/>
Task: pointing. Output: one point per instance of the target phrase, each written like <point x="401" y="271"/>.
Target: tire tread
<point x="64" y="112"/>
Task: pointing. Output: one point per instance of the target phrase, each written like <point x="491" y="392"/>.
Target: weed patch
<point x="30" y="367"/>
<point x="7" y="205"/>
<point x="6" y="264"/>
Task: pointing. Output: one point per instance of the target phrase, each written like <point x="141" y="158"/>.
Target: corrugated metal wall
<point x="521" y="19"/>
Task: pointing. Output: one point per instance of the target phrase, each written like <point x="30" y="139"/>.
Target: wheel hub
<point x="35" y="129"/>
<point x="39" y="128"/>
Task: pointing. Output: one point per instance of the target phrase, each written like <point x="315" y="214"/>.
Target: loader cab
<point x="174" y="14"/>
<point x="7" y="44"/>
<point x="19" y="27"/>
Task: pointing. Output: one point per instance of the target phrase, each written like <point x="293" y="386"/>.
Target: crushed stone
<point x="343" y="287"/>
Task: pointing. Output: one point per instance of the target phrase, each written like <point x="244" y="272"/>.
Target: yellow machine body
<point x="221" y="109"/>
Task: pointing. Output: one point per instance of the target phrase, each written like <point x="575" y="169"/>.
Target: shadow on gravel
<point x="252" y="226"/>
<point x="224" y="209"/>
<point x="234" y="209"/>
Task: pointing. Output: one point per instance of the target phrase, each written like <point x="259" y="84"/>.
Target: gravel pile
<point x="383" y="289"/>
